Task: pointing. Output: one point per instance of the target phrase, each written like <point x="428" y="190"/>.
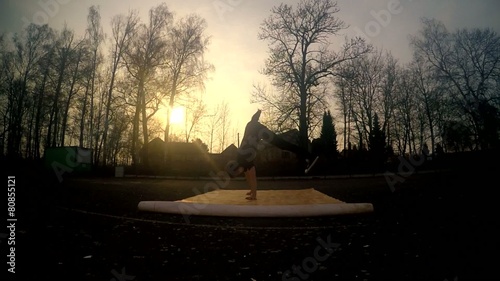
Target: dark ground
<point x="434" y="226"/>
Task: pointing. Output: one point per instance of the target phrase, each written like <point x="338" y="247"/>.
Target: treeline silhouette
<point x="95" y="91"/>
<point x="445" y="100"/>
<point x="57" y="89"/>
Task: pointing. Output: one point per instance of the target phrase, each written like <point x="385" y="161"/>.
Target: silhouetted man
<point x="247" y="152"/>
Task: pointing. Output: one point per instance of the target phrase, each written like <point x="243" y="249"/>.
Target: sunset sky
<point x="233" y="25"/>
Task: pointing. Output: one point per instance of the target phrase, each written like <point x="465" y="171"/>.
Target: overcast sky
<point x="233" y="25"/>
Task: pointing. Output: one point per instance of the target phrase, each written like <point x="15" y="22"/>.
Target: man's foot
<point x="250" y="196"/>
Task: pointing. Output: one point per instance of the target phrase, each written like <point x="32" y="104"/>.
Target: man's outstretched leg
<point x="251" y="177"/>
<point x="307" y="159"/>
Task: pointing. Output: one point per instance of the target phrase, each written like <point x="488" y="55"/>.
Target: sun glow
<point x="177" y="115"/>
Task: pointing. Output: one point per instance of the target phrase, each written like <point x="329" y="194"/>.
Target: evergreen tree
<point x="328" y="137"/>
<point x="377" y="145"/>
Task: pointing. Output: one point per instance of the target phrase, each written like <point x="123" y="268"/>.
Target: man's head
<point x="256" y="116"/>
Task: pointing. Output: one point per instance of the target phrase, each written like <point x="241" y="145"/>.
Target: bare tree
<point x="146" y="53"/>
<point x="5" y="73"/>
<point x="117" y="142"/>
<point x="95" y="37"/>
<point x="28" y="52"/>
<point x="54" y="90"/>
<point x="367" y="79"/>
<point x="75" y="68"/>
<point x="388" y="88"/>
<point x="213" y="123"/>
<point x="404" y="113"/>
<point x="431" y="93"/>
<point x="279" y="108"/>
<point x="65" y="47"/>
<point x="6" y="80"/>
<point x="40" y="103"/>
<point x="196" y="110"/>
<point x="300" y="56"/>
<point x="365" y="88"/>
<point x="224" y="124"/>
<point x="186" y="68"/>
<point x="123" y="28"/>
<point x="470" y="61"/>
<point x="343" y="94"/>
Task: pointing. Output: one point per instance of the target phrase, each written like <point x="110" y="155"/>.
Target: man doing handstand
<point x="247" y="152"/>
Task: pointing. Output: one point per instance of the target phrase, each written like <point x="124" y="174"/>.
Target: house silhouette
<point x="183" y="158"/>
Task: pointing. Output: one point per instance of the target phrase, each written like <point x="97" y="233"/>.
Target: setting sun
<point x="177" y="116"/>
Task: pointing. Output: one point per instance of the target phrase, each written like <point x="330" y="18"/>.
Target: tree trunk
<point x="108" y="108"/>
<point x="144" y="123"/>
<point x="51" y="137"/>
<point x="135" y="130"/>
<point x="39" y="109"/>
<point x="173" y="92"/>
<point x="303" y="126"/>
<point x="68" y="101"/>
<point x="84" y="112"/>
<point x="91" y="117"/>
